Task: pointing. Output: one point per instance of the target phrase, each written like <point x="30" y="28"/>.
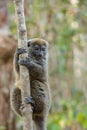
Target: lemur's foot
<point x="29" y="100"/>
<point x="20" y="51"/>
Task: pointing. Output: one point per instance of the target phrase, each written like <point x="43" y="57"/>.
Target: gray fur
<point x="37" y="64"/>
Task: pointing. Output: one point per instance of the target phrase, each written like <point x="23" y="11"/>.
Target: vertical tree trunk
<point x="3" y="13"/>
<point x="7" y="117"/>
<point x="4" y="28"/>
<point x="24" y="74"/>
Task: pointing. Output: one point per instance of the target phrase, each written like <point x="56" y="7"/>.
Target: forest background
<point x="63" y="23"/>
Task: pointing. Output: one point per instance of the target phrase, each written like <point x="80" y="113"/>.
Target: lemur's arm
<point x="16" y="59"/>
<point x="31" y="65"/>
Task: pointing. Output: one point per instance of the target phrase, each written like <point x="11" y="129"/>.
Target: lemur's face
<point x="38" y="48"/>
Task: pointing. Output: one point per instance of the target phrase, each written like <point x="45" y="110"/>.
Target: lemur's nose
<point x="40" y="55"/>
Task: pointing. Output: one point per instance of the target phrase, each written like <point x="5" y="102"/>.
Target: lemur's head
<point x="38" y="48"/>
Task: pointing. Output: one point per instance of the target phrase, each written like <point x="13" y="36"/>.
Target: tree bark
<point x="24" y="74"/>
<point x="7" y="47"/>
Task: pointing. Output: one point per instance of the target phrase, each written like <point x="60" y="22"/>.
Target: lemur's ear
<point x="29" y="43"/>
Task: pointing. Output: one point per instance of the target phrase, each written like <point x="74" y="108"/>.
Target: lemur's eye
<point x="36" y="47"/>
<point x="43" y="49"/>
<point x="29" y="43"/>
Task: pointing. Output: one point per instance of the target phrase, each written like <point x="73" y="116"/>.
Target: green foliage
<point x="11" y="8"/>
<point x="2" y="127"/>
<point x="13" y="27"/>
<point x="82" y="117"/>
<point x="67" y="115"/>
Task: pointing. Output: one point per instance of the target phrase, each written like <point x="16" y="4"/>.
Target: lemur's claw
<point x="21" y="51"/>
<point x="22" y="107"/>
<point x="29" y="100"/>
<point x="22" y="62"/>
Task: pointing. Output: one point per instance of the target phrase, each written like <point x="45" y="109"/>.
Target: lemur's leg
<point x="16" y="100"/>
<point x="16" y="92"/>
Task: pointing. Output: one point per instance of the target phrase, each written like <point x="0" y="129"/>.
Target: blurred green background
<point x="63" y="23"/>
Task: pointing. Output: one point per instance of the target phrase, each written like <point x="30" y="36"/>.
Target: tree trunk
<point x="24" y="74"/>
<point x="7" y="117"/>
<point x="4" y="28"/>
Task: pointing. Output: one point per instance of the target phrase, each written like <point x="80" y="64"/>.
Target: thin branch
<point x="24" y="74"/>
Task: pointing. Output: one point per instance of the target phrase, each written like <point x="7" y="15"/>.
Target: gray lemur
<point x="37" y="64"/>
